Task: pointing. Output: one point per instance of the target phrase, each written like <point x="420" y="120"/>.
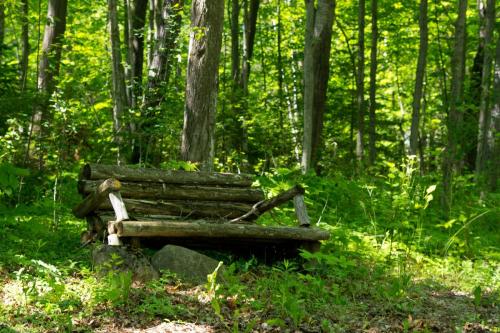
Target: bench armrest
<point x="296" y="193"/>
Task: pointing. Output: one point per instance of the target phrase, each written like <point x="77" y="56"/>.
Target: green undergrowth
<point x="394" y="263"/>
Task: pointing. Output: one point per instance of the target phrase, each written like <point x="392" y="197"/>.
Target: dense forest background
<point x="387" y="111"/>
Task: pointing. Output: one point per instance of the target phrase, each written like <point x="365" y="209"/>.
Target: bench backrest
<point x="155" y="192"/>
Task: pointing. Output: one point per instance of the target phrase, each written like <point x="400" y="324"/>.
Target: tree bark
<point x="493" y="169"/>
<point x="136" y="13"/>
<point x="201" y="86"/>
<point x="373" y="83"/>
<point x="249" y="30"/>
<point x="2" y="27"/>
<point x="182" y="208"/>
<point x="123" y="173"/>
<point x="238" y="134"/>
<point x="25" y="46"/>
<point x="452" y="154"/>
<point x="180" y="191"/>
<point x="118" y="76"/>
<point x="196" y="229"/>
<point x="360" y="83"/>
<point x="484" y="131"/>
<point x="48" y="67"/>
<point x="167" y="23"/>
<point x="319" y="21"/>
<point x="419" y="78"/>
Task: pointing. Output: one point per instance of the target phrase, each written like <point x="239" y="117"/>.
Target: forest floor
<point x="358" y="282"/>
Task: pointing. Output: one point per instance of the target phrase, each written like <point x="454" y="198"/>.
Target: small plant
<point x="117" y="283"/>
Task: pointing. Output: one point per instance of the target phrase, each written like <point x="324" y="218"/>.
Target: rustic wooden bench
<point x="186" y="208"/>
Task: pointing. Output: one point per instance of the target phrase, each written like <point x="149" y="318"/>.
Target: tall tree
<point x="25" y="46"/>
<point x="240" y="68"/>
<point x="201" y="82"/>
<point x="373" y="82"/>
<point x="50" y="59"/>
<point x="167" y="23"/>
<point x="251" y="10"/>
<point x="118" y="78"/>
<point x="318" y="36"/>
<point x="238" y="137"/>
<point x="484" y="131"/>
<point x="360" y="83"/>
<point x="493" y="169"/>
<point x="452" y="153"/>
<point x="2" y="27"/>
<point x="136" y="14"/>
<point x="419" y="78"/>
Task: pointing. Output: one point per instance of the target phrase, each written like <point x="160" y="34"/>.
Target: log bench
<point x="196" y="209"/>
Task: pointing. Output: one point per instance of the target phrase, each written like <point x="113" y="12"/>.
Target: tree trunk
<point x="373" y="82"/>
<point x="249" y="30"/>
<point x="318" y="35"/>
<point x="493" y="169"/>
<point x="23" y="64"/>
<point x="455" y="113"/>
<point x="136" y="13"/>
<point x="2" y="27"/>
<point x="167" y="23"/>
<point x="419" y="78"/>
<point x="360" y="83"/>
<point x="48" y="67"/>
<point x="483" y="147"/>
<point x="238" y="136"/>
<point x="279" y="68"/>
<point x="118" y="77"/>
<point x="235" y="43"/>
<point x="473" y="95"/>
<point x="201" y="82"/>
<point x="165" y="20"/>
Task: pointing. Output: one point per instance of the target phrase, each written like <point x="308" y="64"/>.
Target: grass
<point x="389" y="267"/>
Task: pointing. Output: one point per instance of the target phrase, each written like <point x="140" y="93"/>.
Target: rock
<point x="118" y="258"/>
<point x="185" y="263"/>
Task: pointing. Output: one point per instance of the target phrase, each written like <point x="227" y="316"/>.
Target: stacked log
<point x="173" y="192"/>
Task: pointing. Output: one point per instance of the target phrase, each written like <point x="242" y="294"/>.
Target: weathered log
<point x="177" y="229"/>
<point x="263" y="206"/>
<point x="123" y="173"/>
<point x="301" y="210"/>
<point x="214" y="209"/>
<point x="180" y="192"/>
<point x="96" y="197"/>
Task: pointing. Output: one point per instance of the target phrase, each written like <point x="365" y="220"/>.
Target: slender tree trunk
<point x="2" y="27"/>
<point x="493" y="169"/>
<point x="373" y="82"/>
<point x="441" y="62"/>
<point x="118" y="76"/>
<point x="419" y="78"/>
<point x="135" y="28"/>
<point x="238" y="137"/>
<point x="473" y="93"/>
<point x="48" y="67"/>
<point x="319" y="21"/>
<point x="201" y="87"/>
<point x="167" y="22"/>
<point x="136" y="13"/>
<point x="280" y="69"/>
<point x="25" y="46"/>
<point x="235" y="43"/>
<point x="483" y="147"/>
<point x="452" y="155"/>
<point x="249" y="30"/>
<point x="360" y="83"/>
